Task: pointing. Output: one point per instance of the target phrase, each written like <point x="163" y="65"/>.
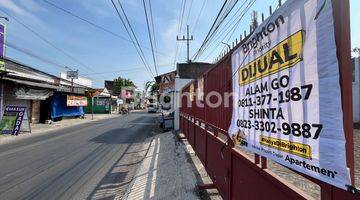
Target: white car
<point x="152" y="108"/>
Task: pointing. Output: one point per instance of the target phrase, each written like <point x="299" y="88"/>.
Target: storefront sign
<point x="167" y="83"/>
<point x="119" y="101"/>
<point x="72" y="74"/>
<point x="12" y="119"/>
<point x="2" y="47"/>
<point x="102" y="101"/>
<point x="287" y="101"/>
<point x="76" y="100"/>
<point x="127" y="94"/>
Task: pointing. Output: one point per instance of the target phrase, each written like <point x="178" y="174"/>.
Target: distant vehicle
<point x="124" y="111"/>
<point x="152" y="108"/>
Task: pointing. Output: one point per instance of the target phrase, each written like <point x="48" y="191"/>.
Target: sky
<point x="99" y="55"/>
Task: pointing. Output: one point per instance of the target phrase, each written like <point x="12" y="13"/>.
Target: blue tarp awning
<point x="58" y="107"/>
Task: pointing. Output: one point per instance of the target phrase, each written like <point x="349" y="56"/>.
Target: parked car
<point x="152" y="108"/>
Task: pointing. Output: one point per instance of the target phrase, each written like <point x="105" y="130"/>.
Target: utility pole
<point x="187" y="39"/>
<point x="72" y="85"/>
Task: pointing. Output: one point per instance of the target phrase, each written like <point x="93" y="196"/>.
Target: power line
<point x="227" y="11"/>
<point x="181" y="17"/>
<point x="129" y="34"/>
<point x="232" y="27"/>
<point x="47" y="41"/>
<point x="228" y="24"/>
<point x="223" y="13"/>
<point x="150" y="38"/>
<point x="246" y="55"/>
<point x="34" y="55"/>
<point x="199" y="15"/>
<point x="41" y="58"/>
<point x="93" y="24"/>
<point x="189" y="12"/>
<point x="115" y="71"/>
<point x="134" y="35"/>
<point x="212" y="26"/>
<point x="129" y="69"/>
<point x="153" y="28"/>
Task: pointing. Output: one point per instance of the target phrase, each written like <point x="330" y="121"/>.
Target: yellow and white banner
<point x="287" y="97"/>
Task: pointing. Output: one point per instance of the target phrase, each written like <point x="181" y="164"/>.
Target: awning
<point x="32" y="94"/>
<point x="33" y="84"/>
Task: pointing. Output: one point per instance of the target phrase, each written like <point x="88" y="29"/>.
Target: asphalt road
<point x="90" y="161"/>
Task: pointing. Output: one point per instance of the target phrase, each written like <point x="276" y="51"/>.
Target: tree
<point x="148" y="85"/>
<point x="121" y="82"/>
<point x="356" y="50"/>
<point x="154" y="89"/>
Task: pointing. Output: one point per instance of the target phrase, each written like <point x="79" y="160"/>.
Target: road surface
<point x="90" y="161"/>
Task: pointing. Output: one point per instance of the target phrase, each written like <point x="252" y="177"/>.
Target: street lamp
<point x="226" y="44"/>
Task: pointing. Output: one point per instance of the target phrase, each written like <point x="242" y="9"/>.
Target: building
<point x="185" y="73"/>
<point x="42" y="94"/>
<point x="100" y="102"/>
<point x="166" y="90"/>
<point x="128" y="96"/>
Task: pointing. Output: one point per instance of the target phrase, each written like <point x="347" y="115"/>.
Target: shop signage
<point x="119" y="101"/>
<point x="12" y="119"/>
<point x="287" y="101"/>
<point x="127" y="93"/>
<point x="167" y="83"/>
<point x="102" y="102"/>
<point x="72" y="74"/>
<point x="2" y="47"/>
<point x="72" y="100"/>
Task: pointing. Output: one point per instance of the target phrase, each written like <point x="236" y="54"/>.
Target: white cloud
<point x="32" y="6"/>
<point x="9" y="5"/>
<point x="19" y="11"/>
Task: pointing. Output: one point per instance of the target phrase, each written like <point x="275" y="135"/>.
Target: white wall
<point x="356" y="91"/>
<point x="179" y="84"/>
<point x="81" y="80"/>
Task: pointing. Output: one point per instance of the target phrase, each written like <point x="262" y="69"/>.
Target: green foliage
<point x="148" y="85"/>
<point x="154" y="89"/>
<point x="356" y="50"/>
<point x="121" y="82"/>
<point x="152" y="86"/>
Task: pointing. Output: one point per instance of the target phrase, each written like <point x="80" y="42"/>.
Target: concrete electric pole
<point x="187" y="39"/>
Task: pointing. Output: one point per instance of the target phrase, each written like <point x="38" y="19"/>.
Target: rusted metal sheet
<point x="250" y="181"/>
<point x="191" y="134"/>
<point x="218" y="165"/>
<point x="200" y="146"/>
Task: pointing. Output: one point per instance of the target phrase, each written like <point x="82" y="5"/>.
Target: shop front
<point x="32" y="97"/>
<point x="66" y="106"/>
